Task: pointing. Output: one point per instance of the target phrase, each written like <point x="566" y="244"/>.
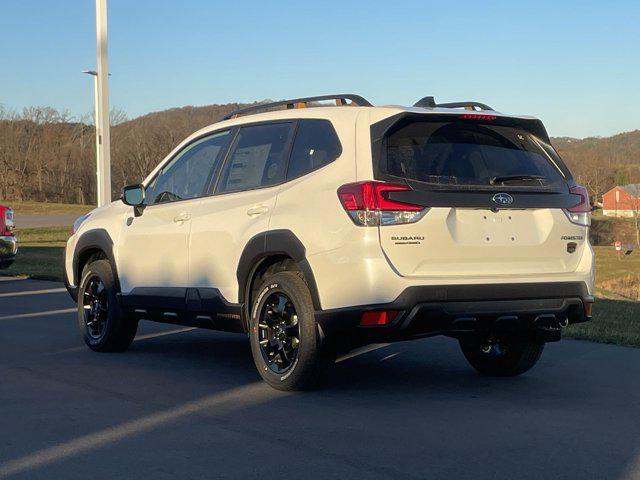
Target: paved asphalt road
<point x="30" y="221"/>
<point x="189" y="404"/>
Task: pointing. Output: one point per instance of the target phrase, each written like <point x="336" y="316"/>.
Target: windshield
<point x="462" y="153"/>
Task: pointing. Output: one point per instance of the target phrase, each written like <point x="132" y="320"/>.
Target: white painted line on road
<point x="388" y="357"/>
<point x="137" y="339"/>
<point x="162" y="334"/>
<point x="362" y="351"/>
<point x="224" y="402"/>
<point x="33" y="292"/>
<point x="39" y="314"/>
<point x="11" y="279"/>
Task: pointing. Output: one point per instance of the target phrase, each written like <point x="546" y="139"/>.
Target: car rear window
<point x="461" y="153"/>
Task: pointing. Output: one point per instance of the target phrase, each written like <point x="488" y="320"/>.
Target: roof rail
<point x="429" y="102"/>
<point x="341" y="100"/>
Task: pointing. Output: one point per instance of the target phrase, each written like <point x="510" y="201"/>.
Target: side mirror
<point x="133" y="195"/>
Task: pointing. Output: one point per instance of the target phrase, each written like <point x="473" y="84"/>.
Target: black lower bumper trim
<point x="541" y="309"/>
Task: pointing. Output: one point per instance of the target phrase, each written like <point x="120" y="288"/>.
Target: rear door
<point x="243" y="200"/>
<point x="495" y="196"/>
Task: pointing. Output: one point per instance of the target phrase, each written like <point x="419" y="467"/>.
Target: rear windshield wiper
<point x="508" y="178"/>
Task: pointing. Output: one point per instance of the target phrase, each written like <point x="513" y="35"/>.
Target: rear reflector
<point x="377" y="317"/>
<point x="368" y="204"/>
<point x="588" y="306"/>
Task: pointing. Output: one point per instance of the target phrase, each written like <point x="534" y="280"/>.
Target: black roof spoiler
<point x="430" y="102"/>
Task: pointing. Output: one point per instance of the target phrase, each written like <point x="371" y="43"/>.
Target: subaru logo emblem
<point x="503" y="199"/>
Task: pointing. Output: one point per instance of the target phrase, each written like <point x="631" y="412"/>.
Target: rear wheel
<point x="502" y="358"/>
<point x="103" y="324"/>
<point x="285" y="342"/>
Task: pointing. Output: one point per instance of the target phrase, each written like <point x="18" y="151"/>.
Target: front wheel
<point x="103" y="324"/>
<point x="502" y="358"/>
<point x="285" y="342"/>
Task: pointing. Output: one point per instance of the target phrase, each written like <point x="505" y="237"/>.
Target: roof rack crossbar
<point x="340" y="99"/>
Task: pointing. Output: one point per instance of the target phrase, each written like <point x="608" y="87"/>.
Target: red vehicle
<point x="8" y="242"/>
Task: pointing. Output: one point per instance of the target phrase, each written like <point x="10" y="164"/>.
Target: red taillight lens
<point x="377" y="317"/>
<point x="583" y="204"/>
<point x="8" y="221"/>
<point x="580" y="213"/>
<point x="368" y="203"/>
<point x="373" y="196"/>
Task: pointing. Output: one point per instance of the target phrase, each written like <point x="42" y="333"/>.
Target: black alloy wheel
<point x="279" y="333"/>
<point x="95" y="303"/>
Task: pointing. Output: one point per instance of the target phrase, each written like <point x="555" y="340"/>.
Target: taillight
<point x="368" y="204"/>
<point x="580" y="213"/>
<point x="8" y="221"/>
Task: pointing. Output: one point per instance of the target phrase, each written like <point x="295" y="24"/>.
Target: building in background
<point x="622" y="201"/>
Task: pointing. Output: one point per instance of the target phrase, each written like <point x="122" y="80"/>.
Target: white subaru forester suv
<point x="318" y="228"/>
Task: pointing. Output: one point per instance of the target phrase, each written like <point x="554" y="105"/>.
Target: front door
<point x="153" y="248"/>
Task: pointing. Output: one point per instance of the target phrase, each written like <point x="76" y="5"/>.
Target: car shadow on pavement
<point x="429" y="368"/>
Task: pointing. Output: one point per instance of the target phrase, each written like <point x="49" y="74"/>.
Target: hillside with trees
<point x="45" y="155"/>
<point x="600" y="163"/>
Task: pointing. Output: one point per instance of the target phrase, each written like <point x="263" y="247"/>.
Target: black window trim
<point x="289" y="148"/>
<point x="212" y="174"/>
<point x="210" y="189"/>
<point x="289" y="145"/>
<point x="337" y="137"/>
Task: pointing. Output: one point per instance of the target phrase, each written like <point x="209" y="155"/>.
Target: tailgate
<point x="474" y="242"/>
<point x="495" y="199"/>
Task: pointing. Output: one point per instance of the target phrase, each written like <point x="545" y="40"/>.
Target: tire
<point x="283" y="362"/>
<point x="103" y="325"/>
<point x="505" y="359"/>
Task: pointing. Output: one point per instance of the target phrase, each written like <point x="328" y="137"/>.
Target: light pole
<point x="101" y="93"/>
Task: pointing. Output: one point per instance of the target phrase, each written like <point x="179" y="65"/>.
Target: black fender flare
<point x="97" y="239"/>
<point x="266" y="244"/>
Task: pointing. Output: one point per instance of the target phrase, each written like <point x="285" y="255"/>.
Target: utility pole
<point x="103" y="136"/>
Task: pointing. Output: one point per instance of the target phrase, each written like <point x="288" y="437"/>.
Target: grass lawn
<point x="39" y="253"/>
<point x="610" y="264"/>
<point x="44" y="208"/>
<point x="615" y="320"/>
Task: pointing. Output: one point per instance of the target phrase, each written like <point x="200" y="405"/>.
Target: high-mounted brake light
<point x="477" y="116"/>
<point x="368" y="204"/>
<point x="580" y="213"/>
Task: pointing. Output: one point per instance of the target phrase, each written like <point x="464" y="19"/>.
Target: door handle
<point x="183" y="217"/>
<point x="257" y="210"/>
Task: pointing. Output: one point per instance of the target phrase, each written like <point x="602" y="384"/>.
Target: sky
<point x="574" y="64"/>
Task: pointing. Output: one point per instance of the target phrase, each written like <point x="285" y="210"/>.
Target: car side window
<point x="257" y="158"/>
<point x="316" y="145"/>
<point x="187" y="174"/>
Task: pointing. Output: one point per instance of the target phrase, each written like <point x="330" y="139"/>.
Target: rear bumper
<point x="538" y="310"/>
<point x="8" y="250"/>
